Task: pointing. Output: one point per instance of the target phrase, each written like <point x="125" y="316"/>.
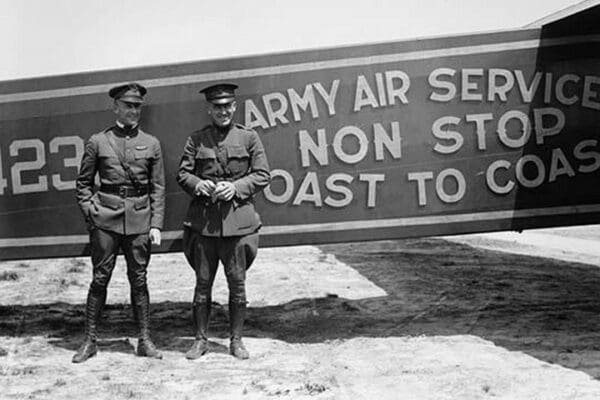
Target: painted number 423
<point x="40" y="183"/>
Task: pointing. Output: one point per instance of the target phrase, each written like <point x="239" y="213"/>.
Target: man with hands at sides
<point x="126" y="212"/>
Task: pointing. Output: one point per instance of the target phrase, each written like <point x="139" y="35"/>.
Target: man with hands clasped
<point x="222" y="167"/>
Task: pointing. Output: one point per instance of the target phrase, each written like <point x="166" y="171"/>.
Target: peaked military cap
<point x="221" y="93"/>
<point x="130" y="92"/>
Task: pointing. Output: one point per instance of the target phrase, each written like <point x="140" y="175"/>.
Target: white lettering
<point x="364" y="96"/>
<point x="589" y="94"/>
<point x="329" y="97"/>
<point x="310" y="182"/>
<point x="380" y="89"/>
<point x="363" y="145"/>
<point x="559" y="165"/>
<point x="392" y="144"/>
<point x="3" y="180"/>
<point x="331" y="185"/>
<point x="491" y="175"/>
<point x="371" y="180"/>
<point x="468" y="86"/>
<point x="305" y="102"/>
<point x="421" y="177"/>
<point x="527" y="93"/>
<point x="525" y="129"/>
<point x="461" y="185"/>
<point x="74" y="161"/>
<point x="288" y="181"/>
<point x="547" y="87"/>
<point x="500" y="90"/>
<point x="40" y="160"/>
<point x="480" y="120"/>
<point x="540" y="130"/>
<point x="438" y="84"/>
<point x="308" y="146"/>
<point x="560" y="89"/>
<point x="399" y="92"/>
<point x="275" y="114"/>
<point x="453" y="136"/>
<point x="580" y="154"/>
<point x="540" y="171"/>
<point x="253" y="117"/>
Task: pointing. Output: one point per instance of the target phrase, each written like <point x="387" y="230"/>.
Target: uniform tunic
<point x="222" y="230"/>
<point x="123" y="215"/>
<point x="121" y="221"/>
<point x="238" y="157"/>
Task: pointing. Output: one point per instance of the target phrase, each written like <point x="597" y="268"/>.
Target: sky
<point x="53" y="37"/>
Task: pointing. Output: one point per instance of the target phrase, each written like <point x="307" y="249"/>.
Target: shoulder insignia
<point x="103" y="131"/>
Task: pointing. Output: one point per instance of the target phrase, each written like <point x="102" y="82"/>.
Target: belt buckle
<point x="122" y="191"/>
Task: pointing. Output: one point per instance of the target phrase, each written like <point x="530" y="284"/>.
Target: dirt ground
<point x="495" y="316"/>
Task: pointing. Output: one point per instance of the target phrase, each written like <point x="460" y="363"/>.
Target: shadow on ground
<point x="546" y="308"/>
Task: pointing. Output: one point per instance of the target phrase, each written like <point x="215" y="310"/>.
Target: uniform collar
<point x="123" y="130"/>
<point x="221" y="132"/>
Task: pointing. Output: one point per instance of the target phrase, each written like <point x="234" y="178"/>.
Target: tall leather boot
<point x="237" y="314"/>
<point x="201" y="317"/>
<point x="93" y="309"/>
<point x="141" y="314"/>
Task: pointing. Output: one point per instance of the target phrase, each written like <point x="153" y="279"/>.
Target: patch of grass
<point x="9" y="276"/>
<point x="314" y="388"/>
<point x="21" y="371"/>
<point x="65" y="283"/>
<point x="39" y="393"/>
<point x="279" y="392"/>
<point x="79" y="263"/>
<point x="76" y="266"/>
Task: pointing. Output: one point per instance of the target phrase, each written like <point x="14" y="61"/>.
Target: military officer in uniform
<point x="126" y="212"/>
<point x="223" y="166"/>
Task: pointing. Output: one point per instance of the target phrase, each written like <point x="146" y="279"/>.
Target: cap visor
<point x="224" y="100"/>
<point x="131" y="99"/>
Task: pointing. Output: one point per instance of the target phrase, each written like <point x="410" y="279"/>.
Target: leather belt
<point x="125" y="190"/>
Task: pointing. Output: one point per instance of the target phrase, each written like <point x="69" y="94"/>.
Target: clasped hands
<point x="217" y="191"/>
